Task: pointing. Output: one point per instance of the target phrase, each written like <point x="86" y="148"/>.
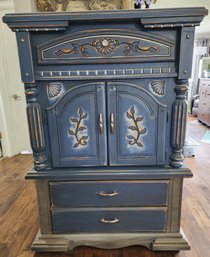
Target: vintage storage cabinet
<point x="106" y="105"/>
<point x="204" y="101"/>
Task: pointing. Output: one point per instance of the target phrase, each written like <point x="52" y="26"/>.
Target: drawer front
<point x="110" y="46"/>
<point x="107" y="193"/>
<point x="104" y="220"/>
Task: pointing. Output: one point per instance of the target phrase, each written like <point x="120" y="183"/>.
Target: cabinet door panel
<point x="75" y="134"/>
<point x="139" y="120"/>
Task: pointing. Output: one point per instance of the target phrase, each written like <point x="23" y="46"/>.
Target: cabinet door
<point x="137" y="124"/>
<point x="77" y="127"/>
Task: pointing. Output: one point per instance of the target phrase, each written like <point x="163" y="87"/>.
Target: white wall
<point x="25" y="5"/>
<point x="204" y="29"/>
<point x="5" y="120"/>
<point x="13" y="124"/>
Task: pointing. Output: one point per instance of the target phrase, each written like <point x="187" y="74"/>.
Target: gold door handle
<point x="112" y="122"/>
<point x="101" y="123"/>
<point x="109" y="221"/>
<point x="102" y="193"/>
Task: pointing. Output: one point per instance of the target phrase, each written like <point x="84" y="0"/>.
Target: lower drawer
<point x="108" y="220"/>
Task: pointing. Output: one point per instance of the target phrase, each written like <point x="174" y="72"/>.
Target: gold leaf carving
<point x="78" y="128"/>
<point x="106" y="46"/>
<point x="135" y="126"/>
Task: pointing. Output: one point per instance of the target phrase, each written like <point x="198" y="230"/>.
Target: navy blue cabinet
<point x="107" y="108"/>
<point x="112" y="123"/>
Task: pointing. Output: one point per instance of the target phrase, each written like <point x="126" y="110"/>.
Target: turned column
<point x="178" y="124"/>
<point x="35" y="124"/>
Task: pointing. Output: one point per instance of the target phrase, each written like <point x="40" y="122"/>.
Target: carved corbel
<point x="178" y="125"/>
<point x="36" y="131"/>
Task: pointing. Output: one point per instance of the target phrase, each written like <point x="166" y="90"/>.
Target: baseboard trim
<point x="67" y="242"/>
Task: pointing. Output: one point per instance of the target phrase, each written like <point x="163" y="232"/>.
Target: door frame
<point x="12" y="142"/>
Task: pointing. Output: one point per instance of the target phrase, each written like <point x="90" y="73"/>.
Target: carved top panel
<point x="110" y="45"/>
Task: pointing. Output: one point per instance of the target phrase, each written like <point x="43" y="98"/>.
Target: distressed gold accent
<point x="80" y="139"/>
<point x="101" y="123"/>
<point x="112" y="122"/>
<point x="135" y="127"/>
<point x="102" y="193"/>
<point x="106" y="46"/>
<point x="109" y="221"/>
<point x="54" y="89"/>
<point x="158" y="87"/>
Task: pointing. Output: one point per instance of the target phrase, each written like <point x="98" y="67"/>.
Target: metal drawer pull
<point x="112" y="122"/>
<point x="101" y="123"/>
<point x="109" y="221"/>
<point x="102" y="193"/>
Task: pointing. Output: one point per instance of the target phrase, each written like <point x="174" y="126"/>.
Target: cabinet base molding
<point x="153" y="241"/>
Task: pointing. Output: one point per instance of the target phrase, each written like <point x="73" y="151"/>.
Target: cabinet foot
<point x="170" y="244"/>
<point x="153" y="241"/>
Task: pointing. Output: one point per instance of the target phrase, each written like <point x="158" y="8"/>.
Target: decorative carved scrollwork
<point x="158" y="87"/>
<point x="106" y="46"/>
<point x="135" y="127"/>
<point x="79" y="127"/>
<point x="36" y="127"/>
<point x="179" y="117"/>
<point x="54" y="89"/>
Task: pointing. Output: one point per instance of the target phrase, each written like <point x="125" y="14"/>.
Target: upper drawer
<point x="106" y="46"/>
<point x="107" y="193"/>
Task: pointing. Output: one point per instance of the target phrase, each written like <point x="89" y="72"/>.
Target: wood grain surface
<point x="19" y="215"/>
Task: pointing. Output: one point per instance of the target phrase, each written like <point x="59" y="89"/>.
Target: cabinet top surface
<point x="179" y="13"/>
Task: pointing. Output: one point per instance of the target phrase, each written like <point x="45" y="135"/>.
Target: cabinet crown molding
<point x="172" y="17"/>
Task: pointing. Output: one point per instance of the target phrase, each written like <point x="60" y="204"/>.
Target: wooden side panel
<point x="174" y="205"/>
<point x="186" y="52"/>
<point x="25" y="57"/>
<point x="44" y="206"/>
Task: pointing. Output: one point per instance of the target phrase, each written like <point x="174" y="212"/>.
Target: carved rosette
<point x="178" y="126"/>
<point x="35" y="127"/>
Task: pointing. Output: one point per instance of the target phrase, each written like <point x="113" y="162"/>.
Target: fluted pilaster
<point x="178" y="125"/>
<point x="35" y="127"/>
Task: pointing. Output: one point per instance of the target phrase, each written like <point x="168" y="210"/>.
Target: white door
<point x="13" y="123"/>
